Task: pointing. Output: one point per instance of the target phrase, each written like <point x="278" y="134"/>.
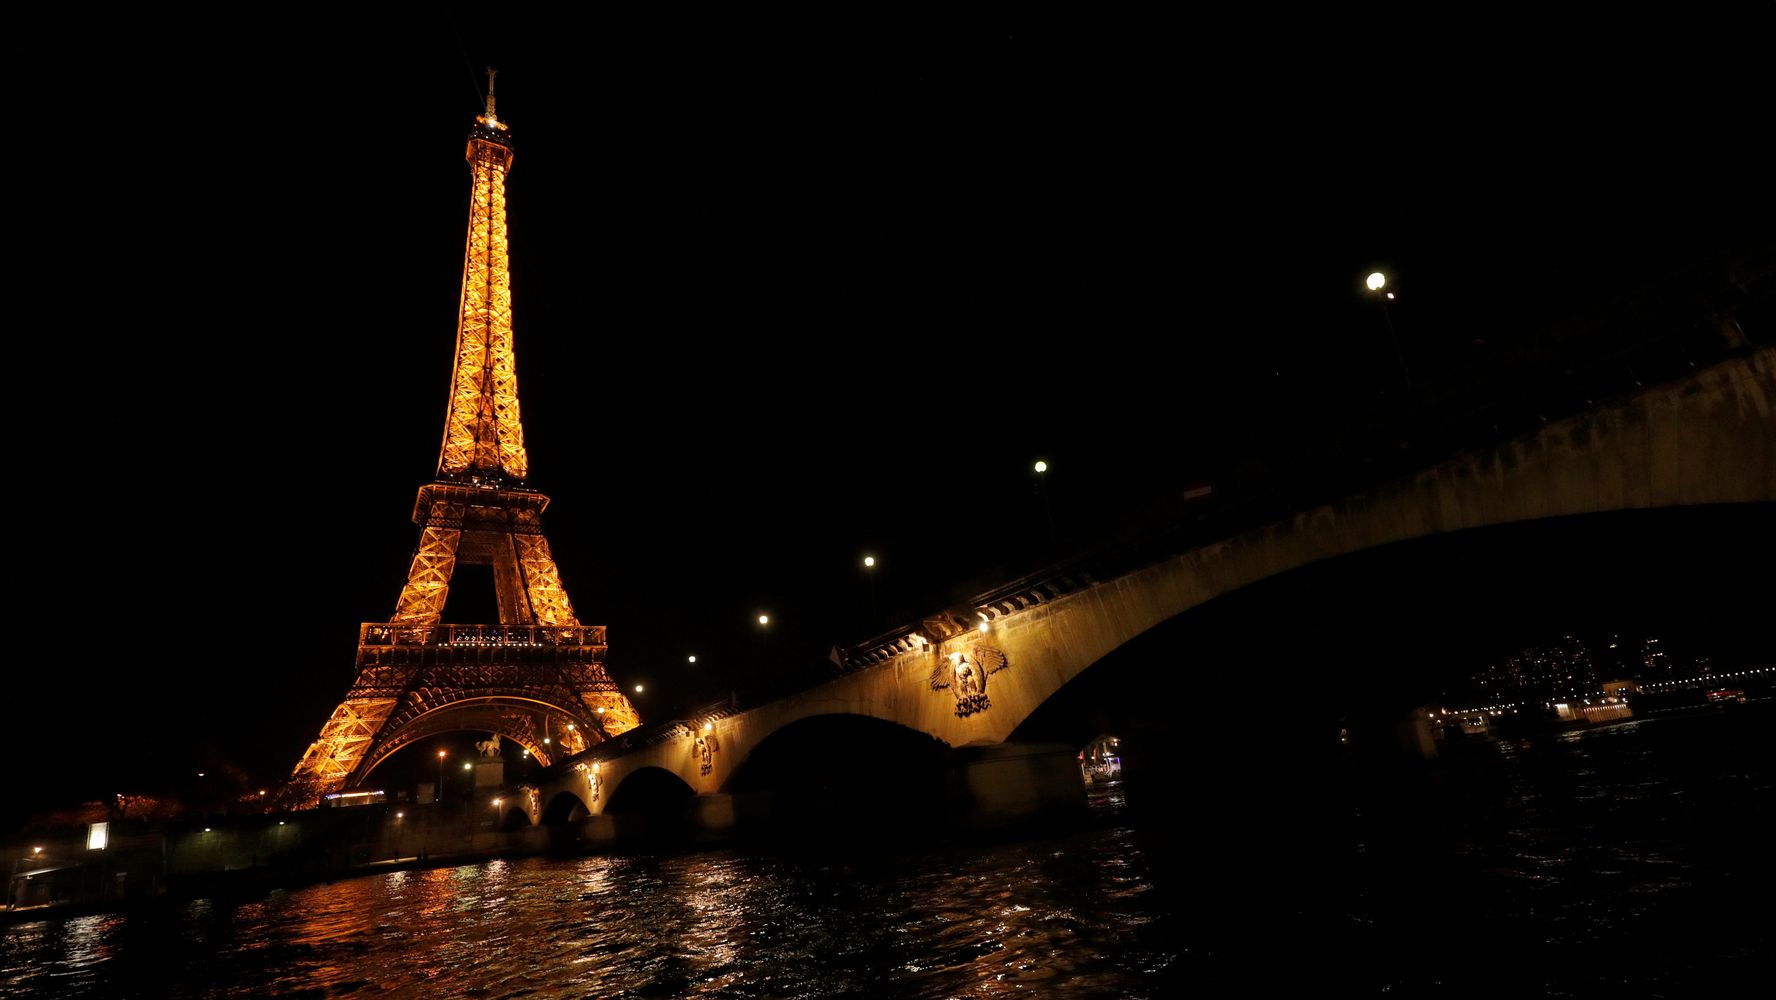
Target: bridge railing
<point x="397" y="634"/>
<point x="649" y="734"/>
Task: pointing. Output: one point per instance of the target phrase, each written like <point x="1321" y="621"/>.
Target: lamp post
<point x="869" y="570"/>
<point x="1375" y="283"/>
<point x="1042" y="488"/>
<point x="764" y="644"/>
<point x="438" y="796"/>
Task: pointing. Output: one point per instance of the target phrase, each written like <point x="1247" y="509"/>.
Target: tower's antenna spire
<point x="491" y="73"/>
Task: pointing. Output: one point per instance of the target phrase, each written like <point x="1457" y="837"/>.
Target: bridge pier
<point x="713" y="817"/>
<point x="705" y="818"/>
<point x="1004" y="784"/>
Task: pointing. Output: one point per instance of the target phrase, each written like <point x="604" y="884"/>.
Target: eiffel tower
<point x="537" y="678"/>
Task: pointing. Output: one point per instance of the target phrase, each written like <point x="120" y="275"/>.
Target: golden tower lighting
<point x="538" y="671"/>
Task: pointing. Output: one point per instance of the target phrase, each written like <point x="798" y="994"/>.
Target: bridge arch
<point x="563" y="808"/>
<point x="824" y="743"/>
<point x="839" y="770"/>
<point x="1395" y="603"/>
<point x="1707" y="440"/>
<point x="649" y="790"/>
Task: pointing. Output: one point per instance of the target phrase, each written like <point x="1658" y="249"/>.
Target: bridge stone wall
<point x="1707" y="439"/>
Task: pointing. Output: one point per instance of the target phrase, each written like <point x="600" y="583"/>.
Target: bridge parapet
<point x="654" y="733"/>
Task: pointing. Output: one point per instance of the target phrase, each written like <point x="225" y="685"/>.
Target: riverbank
<point x="148" y="866"/>
<point x="117" y="865"/>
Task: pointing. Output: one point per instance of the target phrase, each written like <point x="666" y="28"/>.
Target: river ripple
<point x="1632" y="858"/>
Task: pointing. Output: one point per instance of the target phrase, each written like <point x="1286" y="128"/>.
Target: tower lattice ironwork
<point x="537" y="677"/>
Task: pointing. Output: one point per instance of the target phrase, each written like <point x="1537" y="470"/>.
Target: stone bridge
<point x="969" y="676"/>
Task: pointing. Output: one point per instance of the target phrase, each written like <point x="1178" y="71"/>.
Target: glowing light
<point x="398" y="815"/>
<point x="496" y="803"/>
<point x="36" y="850"/>
<point x="545" y="741"/>
<point x="206" y="829"/>
<point x="570" y="727"/>
<point x="983" y="626"/>
<point x="1390" y="295"/>
<point x="955" y="657"/>
<point x="468" y="766"/>
<point x="440" y="755"/>
<point x="1041" y="466"/>
<point x="638" y="689"/>
<point x="97" y="836"/>
<point x="1375" y="281"/>
<point x="601" y="710"/>
<point x="482" y="445"/>
<point x="691" y="659"/>
<point x="594" y="767"/>
<point x="869" y="560"/>
<point x="764" y="619"/>
<point x="480" y="437"/>
<point x="707" y="726"/>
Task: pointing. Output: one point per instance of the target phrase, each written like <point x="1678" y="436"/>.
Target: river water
<point x="1633" y="859"/>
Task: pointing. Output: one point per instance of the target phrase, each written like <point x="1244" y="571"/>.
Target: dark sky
<point x="785" y="293"/>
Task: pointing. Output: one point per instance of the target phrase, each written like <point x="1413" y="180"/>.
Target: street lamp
<point x="1042" y="488"/>
<point x="439" y="795"/>
<point x="761" y="651"/>
<point x="869" y="570"/>
<point x="1375" y="283"/>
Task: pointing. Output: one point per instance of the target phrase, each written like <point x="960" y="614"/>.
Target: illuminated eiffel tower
<point x="537" y="678"/>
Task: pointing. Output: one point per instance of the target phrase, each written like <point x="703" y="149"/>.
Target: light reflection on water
<point x="1530" y="860"/>
<point x="1055" y="916"/>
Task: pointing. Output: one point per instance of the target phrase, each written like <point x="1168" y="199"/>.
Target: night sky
<point x="785" y="293"/>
